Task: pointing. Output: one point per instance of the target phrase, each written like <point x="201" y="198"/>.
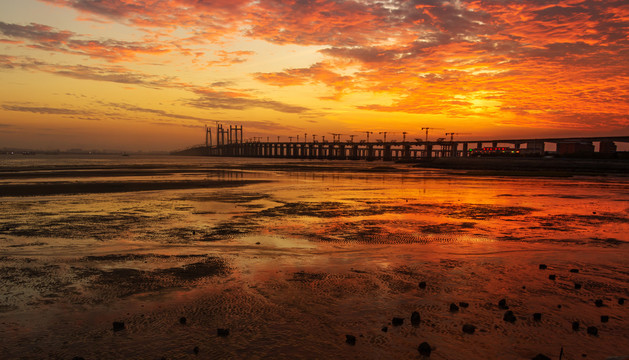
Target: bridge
<point x="230" y="143"/>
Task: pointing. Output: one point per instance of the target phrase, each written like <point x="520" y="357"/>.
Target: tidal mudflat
<point x="193" y="258"/>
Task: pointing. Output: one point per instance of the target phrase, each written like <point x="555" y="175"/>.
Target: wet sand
<point x="295" y="261"/>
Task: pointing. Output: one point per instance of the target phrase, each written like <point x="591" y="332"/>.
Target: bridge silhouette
<point x="230" y="142"/>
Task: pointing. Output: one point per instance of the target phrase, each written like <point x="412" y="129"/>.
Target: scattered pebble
<point x="604" y="318"/>
<point x="424" y="349"/>
<point x="222" y="332"/>
<point x="422" y="284"/>
<point x="415" y="318"/>
<point x="118" y="325"/>
<point x="592" y="330"/>
<point x="469" y="329"/>
<point x="537" y="316"/>
<point x="559" y="306"/>
<point x="598" y="303"/>
<point x="575" y="325"/>
<point x="509" y="317"/>
<point x="350" y="339"/>
<point x="258" y="243"/>
<point x="195" y="350"/>
<point x="552" y="276"/>
<point x="464" y="304"/>
<point x="502" y="304"/>
<point x="385" y="329"/>
<point x="621" y="301"/>
<point x="183" y="320"/>
<point x="454" y="307"/>
<point x="397" y="321"/>
<point x="574" y="270"/>
<point x="541" y="357"/>
<point x="542" y="266"/>
<point x="577" y="286"/>
<point x="78" y="358"/>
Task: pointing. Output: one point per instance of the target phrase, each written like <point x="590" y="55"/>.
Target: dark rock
<point x="397" y="321"/>
<point x="577" y="286"/>
<point x="598" y="303"/>
<point x="183" y="320"/>
<point x="559" y="306"/>
<point x="454" y="307"/>
<point x="195" y="350"/>
<point x="258" y="243"/>
<point x="78" y="358"/>
<point x="592" y="330"/>
<point x="502" y="304"/>
<point x="604" y="318"/>
<point x="543" y="266"/>
<point x="575" y="325"/>
<point x="552" y="276"/>
<point x="118" y="325"/>
<point x="541" y="357"/>
<point x="621" y="301"/>
<point x="415" y="318"/>
<point x="422" y="284"/>
<point x="350" y="339"/>
<point x="469" y="329"/>
<point x="424" y="349"/>
<point x="385" y="329"/>
<point x="574" y="270"/>
<point x="509" y="317"/>
<point x="464" y="304"/>
<point x="222" y="332"/>
<point x="537" y="316"/>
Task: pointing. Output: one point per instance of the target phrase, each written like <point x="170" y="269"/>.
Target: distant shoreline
<point x="532" y="166"/>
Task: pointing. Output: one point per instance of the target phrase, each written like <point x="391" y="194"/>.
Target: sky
<point x="151" y="74"/>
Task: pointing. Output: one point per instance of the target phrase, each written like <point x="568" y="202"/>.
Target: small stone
<point x="415" y="318"/>
<point x="598" y="303"/>
<point x="118" y="325"/>
<point x="194" y="232"/>
<point x="195" y="350"/>
<point x="552" y="276"/>
<point x="543" y="266"/>
<point x="541" y="357"/>
<point x="537" y="316"/>
<point x="183" y="320"/>
<point x="424" y="349"/>
<point x="509" y="317"/>
<point x="575" y="325"/>
<point x="469" y="329"/>
<point x="621" y="301"/>
<point x="384" y="329"/>
<point x="258" y="243"/>
<point x="592" y="330"/>
<point x="604" y="318"/>
<point x="397" y="321"/>
<point x="350" y="339"/>
<point x="574" y="270"/>
<point x="559" y="306"/>
<point x="422" y="284"/>
<point x="464" y="304"/>
<point x="454" y="307"/>
<point x="78" y="358"/>
<point x="222" y="332"/>
<point x="577" y="286"/>
<point x="502" y="304"/>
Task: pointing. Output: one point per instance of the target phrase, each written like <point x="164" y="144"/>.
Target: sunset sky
<point x="150" y="74"/>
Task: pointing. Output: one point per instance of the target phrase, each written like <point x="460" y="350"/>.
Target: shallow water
<point x="293" y="256"/>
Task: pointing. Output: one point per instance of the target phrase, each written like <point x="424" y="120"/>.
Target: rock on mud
<point x="469" y="329"/>
<point x="415" y="318"/>
<point x="454" y="307"/>
<point x="350" y="339"/>
<point x="537" y="316"/>
<point x="541" y="357"/>
<point x="592" y="330"/>
<point x="509" y="317"/>
<point x="118" y="325"/>
<point x="422" y="285"/>
<point x="424" y="349"/>
<point x="222" y="332"/>
<point x="396" y="321"/>
<point x="502" y="304"/>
